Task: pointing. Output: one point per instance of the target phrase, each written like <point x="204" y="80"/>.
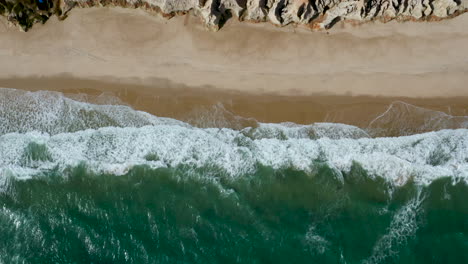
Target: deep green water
<point x="181" y="215"/>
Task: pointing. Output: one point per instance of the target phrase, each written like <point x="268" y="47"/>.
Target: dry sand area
<point x="166" y="67"/>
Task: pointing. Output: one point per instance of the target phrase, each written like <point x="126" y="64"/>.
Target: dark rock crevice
<point x="317" y="14"/>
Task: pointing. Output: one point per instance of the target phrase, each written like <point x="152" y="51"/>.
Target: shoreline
<point x="189" y="103"/>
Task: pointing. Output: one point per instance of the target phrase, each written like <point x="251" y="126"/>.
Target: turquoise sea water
<point x="83" y="183"/>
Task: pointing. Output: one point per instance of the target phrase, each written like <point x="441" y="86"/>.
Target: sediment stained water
<point x="82" y="183"/>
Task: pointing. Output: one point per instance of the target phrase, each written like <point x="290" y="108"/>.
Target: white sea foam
<point x="422" y="157"/>
<point x="113" y="139"/>
<point x="313" y="131"/>
<point x="402" y="228"/>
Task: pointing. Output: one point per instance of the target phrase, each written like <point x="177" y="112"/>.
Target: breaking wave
<point x="42" y="131"/>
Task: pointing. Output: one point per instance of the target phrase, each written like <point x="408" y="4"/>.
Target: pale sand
<point x="131" y="46"/>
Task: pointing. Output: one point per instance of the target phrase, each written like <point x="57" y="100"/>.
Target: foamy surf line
<point x="421" y="158"/>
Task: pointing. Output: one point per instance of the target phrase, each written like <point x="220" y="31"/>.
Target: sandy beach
<point x="393" y="59"/>
<point x="173" y="67"/>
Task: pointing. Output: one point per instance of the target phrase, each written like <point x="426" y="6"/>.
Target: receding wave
<point x="402" y="119"/>
<point x="53" y="113"/>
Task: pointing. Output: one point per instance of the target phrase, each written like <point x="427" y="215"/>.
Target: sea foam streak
<point x="59" y="133"/>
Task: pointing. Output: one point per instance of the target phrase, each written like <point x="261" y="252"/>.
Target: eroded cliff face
<point x="316" y="14"/>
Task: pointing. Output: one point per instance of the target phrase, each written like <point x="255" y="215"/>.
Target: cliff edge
<point x="316" y="14"/>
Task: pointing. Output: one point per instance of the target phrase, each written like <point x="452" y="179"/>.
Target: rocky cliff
<point x="316" y="14"/>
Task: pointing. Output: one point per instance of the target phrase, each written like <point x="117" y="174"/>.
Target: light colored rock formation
<point x="317" y="14"/>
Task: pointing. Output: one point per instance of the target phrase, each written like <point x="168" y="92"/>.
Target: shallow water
<point x="83" y="183"/>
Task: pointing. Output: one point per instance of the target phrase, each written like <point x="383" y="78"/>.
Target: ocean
<point x="89" y="183"/>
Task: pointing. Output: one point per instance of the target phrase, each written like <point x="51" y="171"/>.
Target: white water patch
<point x="422" y="157"/>
<point x="315" y="242"/>
<point x="53" y="113"/>
<point x="313" y="131"/>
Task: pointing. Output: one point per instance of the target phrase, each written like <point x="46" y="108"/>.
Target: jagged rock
<point x="317" y="14"/>
<point x="256" y="10"/>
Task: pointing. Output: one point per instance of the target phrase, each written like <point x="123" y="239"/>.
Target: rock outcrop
<point x="316" y="14"/>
